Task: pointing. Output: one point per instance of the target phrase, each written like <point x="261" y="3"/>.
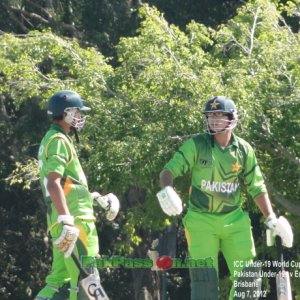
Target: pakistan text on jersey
<point x="220" y="187"/>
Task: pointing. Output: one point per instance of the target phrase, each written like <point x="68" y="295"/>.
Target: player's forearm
<point x="58" y="198"/>
<point x="264" y="204"/>
<point x="166" y="178"/>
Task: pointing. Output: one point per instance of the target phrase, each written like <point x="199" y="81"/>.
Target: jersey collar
<point x="234" y="141"/>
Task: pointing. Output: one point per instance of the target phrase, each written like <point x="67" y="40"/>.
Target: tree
<point x="98" y="23"/>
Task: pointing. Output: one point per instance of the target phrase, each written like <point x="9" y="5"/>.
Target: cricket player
<point x="220" y="163"/>
<point x="70" y="215"/>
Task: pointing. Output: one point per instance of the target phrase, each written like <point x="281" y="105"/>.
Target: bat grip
<point x="280" y="250"/>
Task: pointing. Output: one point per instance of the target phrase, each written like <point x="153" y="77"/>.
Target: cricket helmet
<point x="71" y="104"/>
<point x="220" y="104"/>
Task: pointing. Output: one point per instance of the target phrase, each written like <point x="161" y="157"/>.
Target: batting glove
<point x="281" y="227"/>
<point x="109" y="202"/>
<point x="68" y="237"/>
<point x="169" y="201"/>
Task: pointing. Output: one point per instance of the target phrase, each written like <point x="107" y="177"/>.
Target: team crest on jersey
<point x="205" y="162"/>
<point x="235" y="167"/>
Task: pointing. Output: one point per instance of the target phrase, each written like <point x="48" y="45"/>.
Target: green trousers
<point x="207" y="234"/>
<point x="64" y="272"/>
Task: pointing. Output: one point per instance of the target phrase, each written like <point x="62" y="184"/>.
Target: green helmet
<point x="220" y="103"/>
<point x="65" y="99"/>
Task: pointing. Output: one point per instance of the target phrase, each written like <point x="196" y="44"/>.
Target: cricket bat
<point x="283" y="284"/>
<point x="90" y="283"/>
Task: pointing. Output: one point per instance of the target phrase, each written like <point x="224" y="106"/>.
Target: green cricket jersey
<point x="57" y="154"/>
<point x="217" y="173"/>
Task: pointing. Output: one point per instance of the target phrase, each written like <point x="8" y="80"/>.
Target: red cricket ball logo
<point x="164" y="262"/>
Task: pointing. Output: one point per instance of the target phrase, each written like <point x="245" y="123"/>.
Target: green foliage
<point x="38" y="64"/>
<point x="24" y="174"/>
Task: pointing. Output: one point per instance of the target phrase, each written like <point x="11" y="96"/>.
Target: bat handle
<point x="280" y="250"/>
<point x="77" y="262"/>
<point x="278" y="244"/>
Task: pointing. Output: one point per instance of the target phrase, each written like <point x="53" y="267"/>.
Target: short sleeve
<point x="57" y="156"/>
<point x="183" y="159"/>
<point x="253" y="177"/>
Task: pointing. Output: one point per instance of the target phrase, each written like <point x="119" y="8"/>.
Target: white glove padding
<point x="109" y="202"/>
<point x="68" y="237"/>
<point x="281" y="227"/>
<point x="169" y="201"/>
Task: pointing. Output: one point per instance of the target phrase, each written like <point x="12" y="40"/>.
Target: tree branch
<point x="279" y="149"/>
<point x="286" y="204"/>
<point x="34" y="16"/>
<point x="253" y="32"/>
<point x="40" y="8"/>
